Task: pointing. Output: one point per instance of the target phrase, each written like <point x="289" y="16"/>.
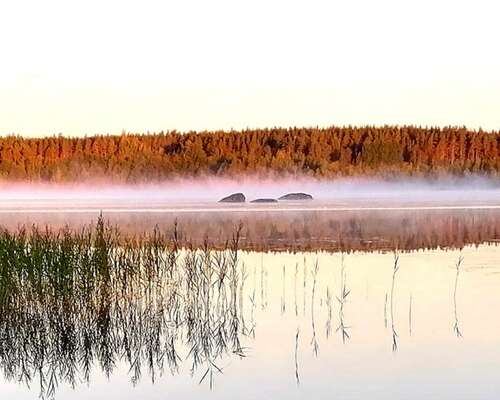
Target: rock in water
<point x="264" y="201"/>
<point x="296" y="196"/>
<point x="234" y="198"/>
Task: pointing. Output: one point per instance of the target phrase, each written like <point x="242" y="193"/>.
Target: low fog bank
<point x="211" y="190"/>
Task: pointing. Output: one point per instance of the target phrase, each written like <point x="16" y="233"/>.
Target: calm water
<point x="317" y="225"/>
<point x="349" y="304"/>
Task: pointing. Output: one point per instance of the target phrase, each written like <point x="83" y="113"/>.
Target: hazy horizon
<point x="212" y="189"/>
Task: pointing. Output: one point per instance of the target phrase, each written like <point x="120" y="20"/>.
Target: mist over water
<point x="473" y="191"/>
<point x="361" y="214"/>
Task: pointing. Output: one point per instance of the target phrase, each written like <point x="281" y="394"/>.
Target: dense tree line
<point x="320" y="152"/>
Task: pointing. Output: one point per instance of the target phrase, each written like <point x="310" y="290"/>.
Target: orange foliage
<point x="323" y="153"/>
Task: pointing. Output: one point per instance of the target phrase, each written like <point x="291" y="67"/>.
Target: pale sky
<point x="87" y="67"/>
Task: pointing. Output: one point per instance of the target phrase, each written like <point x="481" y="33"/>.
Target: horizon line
<point x="126" y="132"/>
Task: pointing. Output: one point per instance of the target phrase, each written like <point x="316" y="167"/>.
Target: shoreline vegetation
<point x="73" y="303"/>
<point x="385" y="152"/>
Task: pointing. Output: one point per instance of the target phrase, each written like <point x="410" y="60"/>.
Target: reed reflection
<point x="70" y="303"/>
<point x="76" y="302"/>
<point x="395" y="270"/>
<point x="456" y="325"/>
<point x="404" y="230"/>
<point x="342" y="299"/>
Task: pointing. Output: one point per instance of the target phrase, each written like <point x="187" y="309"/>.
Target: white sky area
<point x="88" y="67"/>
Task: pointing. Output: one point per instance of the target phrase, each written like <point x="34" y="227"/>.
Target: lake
<point x="343" y="300"/>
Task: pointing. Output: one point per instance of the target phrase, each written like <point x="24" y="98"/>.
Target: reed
<point x="314" y="340"/>
<point x="456" y="325"/>
<point x="342" y="299"/>
<point x="72" y="301"/>
<point x="395" y="270"/>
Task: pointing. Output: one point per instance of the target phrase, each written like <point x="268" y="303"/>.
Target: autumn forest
<point x="384" y="152"/>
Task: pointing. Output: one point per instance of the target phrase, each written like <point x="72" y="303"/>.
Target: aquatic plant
<point x="395" y="270"/>
<point x="296" y="357"/>
<point x="342" y="299"/>
<point x="314" y="341"/>
<point x="456" y="325"/>
<point x="74" y="301"/>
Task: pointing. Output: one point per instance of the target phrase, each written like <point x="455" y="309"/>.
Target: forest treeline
<point x="385" y="152"/>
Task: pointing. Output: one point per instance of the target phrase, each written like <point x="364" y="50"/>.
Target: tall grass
<point x="71" y="301"/>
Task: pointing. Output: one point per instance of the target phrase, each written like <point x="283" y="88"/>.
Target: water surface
<point x="320" y="303"/>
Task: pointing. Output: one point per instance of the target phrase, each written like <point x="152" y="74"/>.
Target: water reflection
<point x="456" y="326"/>
<point x="73" y="305"/>
<point x="342" y="299"/>
<point x="395" y="270"/>
<point x="357" y="230"/>
<point x="297" y="377"/>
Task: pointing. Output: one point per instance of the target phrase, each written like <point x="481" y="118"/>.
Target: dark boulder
<point x="296" y="196"/>
<point x="264" y="201"/>
<point x="234" y="198"/>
